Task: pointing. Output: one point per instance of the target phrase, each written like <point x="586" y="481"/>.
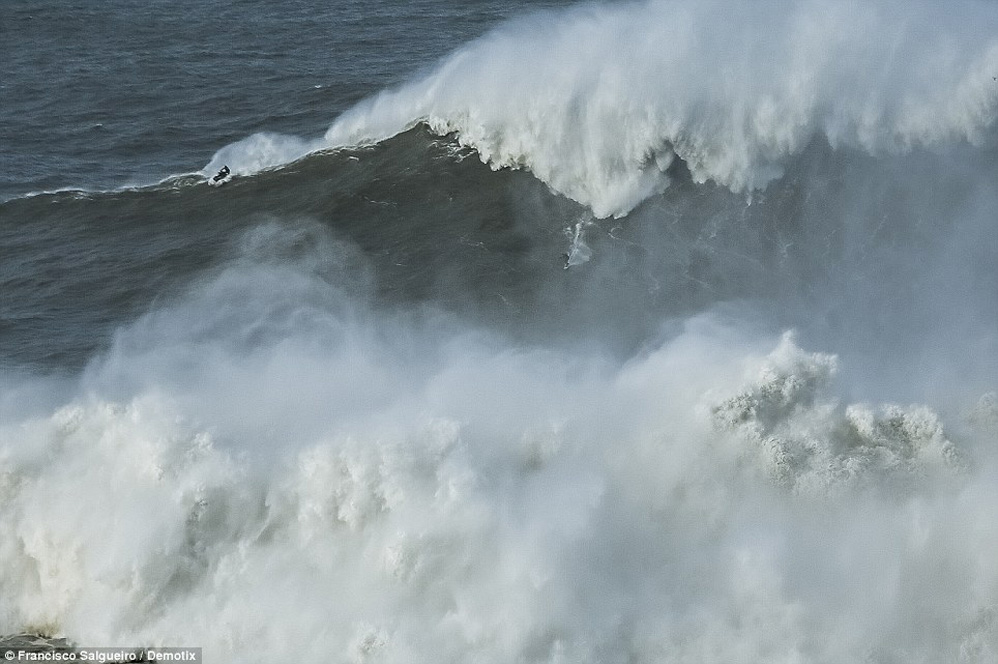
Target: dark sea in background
<point x="659" y="331"/>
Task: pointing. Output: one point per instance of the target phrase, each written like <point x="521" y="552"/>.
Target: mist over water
<point x="640" y="332"/>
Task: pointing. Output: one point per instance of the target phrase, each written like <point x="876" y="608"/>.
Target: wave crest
<point x="597" y="101"/>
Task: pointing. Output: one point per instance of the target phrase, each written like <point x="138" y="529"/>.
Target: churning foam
<point x="597" y="101"/>
<point x="257" y="468"/>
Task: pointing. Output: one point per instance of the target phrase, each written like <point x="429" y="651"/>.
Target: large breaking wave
<point x="598" y="101"/>
<point x="375" y="416"/>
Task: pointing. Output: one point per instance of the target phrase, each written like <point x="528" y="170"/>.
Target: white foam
<point x="595" y="101"/>
<point x="285" y="480"/>
<point x="811" y="444"/>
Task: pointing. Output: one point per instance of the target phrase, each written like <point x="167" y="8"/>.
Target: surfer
<point x="222" y="174"/>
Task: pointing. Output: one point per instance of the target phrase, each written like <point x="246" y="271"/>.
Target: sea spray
<point x="597" y="101"/>
<point x="712" y="496"/>
<point x="354" y="408"/>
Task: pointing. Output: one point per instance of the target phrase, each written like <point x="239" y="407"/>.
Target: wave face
<point x="380" y="398"/>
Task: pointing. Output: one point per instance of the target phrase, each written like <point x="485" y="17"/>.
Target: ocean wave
<point x="598" y="101"/>
<point x="462" y="515"/>
<point x="354" y="408"/>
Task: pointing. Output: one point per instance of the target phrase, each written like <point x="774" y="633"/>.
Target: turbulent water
<point x="659" y="331"/>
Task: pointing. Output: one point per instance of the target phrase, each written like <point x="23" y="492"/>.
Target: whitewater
<point x="635" y="332"/>
<point x="598" y="101"/>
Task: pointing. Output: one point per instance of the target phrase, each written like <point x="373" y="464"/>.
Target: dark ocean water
<point x="104" y="96"/>
<point x="522" y="332"/>
<point x="100" y="95"/>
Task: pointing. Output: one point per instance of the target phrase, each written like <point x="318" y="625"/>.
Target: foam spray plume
<point x="598" y="101"/>
<point x="277" y="465"/>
